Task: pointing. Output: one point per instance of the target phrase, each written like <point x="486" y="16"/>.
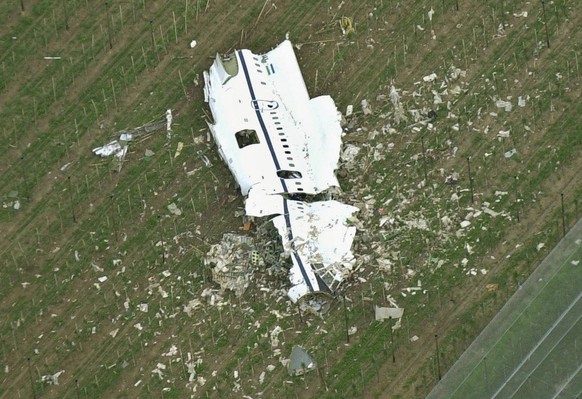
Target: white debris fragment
<point x="352" y="330"/>
<point x="540" y="246"/>
<point x="162" y="292"/>
<point x="191" y="306"/>
<point x="414" y="338"/>
<point x="102" y="279"/>
<point x="395" y="314"/>
<point x="173" y="351"/>
<point x="173" y="208"/>
<point x="159" y="370"/>
<point x="126" y="137"/>
<point x="522" y="14"/>
<point x="275" y="336"/>
<point x="575" y="262"/>
<point x="366" y="107"/>
<point x="114" y="332"/>
<point x="16" y="205"/>
<point x="52" y="379"/>
<point x="179" y="149"/>
<point x="349" y="110"/>
<point x="349" y="155"/>
<point x="193" y="43"/>
<point x="510" y="153"/>
<point x="504" y="104"/>
<point x="394" y="96"/>
<point x="465" y="224"/>
<point x="430" y="14"/>
<point x="138" y="326"/>
<point x="169" y="119"/>
<point x="112" y="148"/>
<point x="262" y="378"/>
<point x="490" y="212"/>
<point x="503" y="133"/>
<point x="419" y="224"/>
<point x="521" y="101"/>
<point x="430" y="78"/>
<point x="191" y="366"/>
<point x="143" y="307"/>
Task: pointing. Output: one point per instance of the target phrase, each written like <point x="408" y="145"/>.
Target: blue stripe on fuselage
<point x="260" y="118"/>
<point x="297" y="258"/>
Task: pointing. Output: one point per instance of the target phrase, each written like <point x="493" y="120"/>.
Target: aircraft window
<point x="289" y="174"/>
<point x="246" y="137"/>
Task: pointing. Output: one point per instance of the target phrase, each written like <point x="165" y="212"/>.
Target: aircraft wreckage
<point x="283" y="148"/>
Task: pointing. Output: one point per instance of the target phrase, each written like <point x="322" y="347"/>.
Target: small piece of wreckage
<point x="282" y="148"/>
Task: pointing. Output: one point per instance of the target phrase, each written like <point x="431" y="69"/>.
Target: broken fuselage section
<point x="282" y="148"/>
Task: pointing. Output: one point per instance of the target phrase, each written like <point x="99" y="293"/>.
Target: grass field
<point x="69" y="220"/>
<point x="531" y="347"/>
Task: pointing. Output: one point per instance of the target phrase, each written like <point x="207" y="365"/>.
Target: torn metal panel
<point x="268" y="131"/>
<point x="318" y="237"/>
<point x="389" y="314"/>
<point x="112" y="148"/>
<point x="299" y="362"/>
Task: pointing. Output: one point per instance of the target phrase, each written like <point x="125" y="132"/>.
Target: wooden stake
<point x="186" y="17"/>
<point x="54" y="88"/>
<point x="182" y="83"/>
<point x="113" y="90"/>
<point x="108" y="26"/>
<point x="175" y="29"/>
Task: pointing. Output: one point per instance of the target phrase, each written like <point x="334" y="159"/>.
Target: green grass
<point x="46" y="126"/>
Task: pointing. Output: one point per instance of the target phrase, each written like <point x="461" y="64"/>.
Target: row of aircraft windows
<point x="285" y="174"/>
